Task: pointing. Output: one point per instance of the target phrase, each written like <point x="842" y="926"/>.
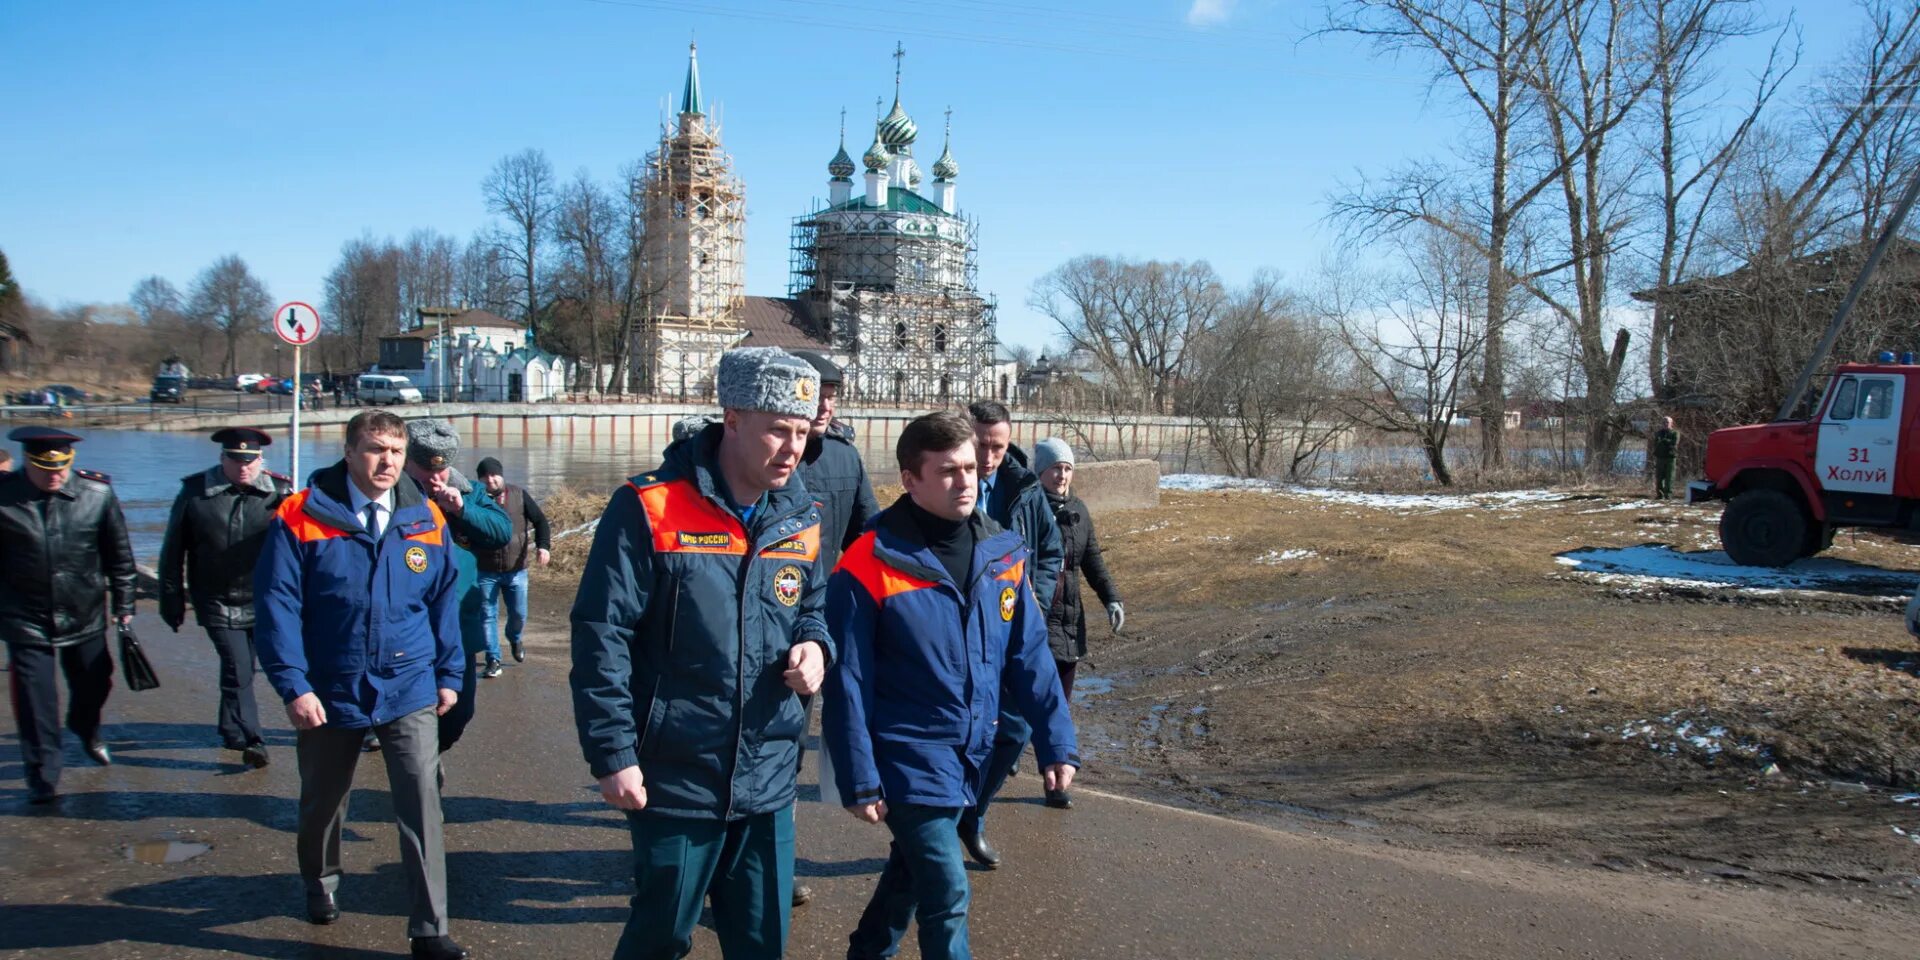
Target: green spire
<point x="690" y="97"/>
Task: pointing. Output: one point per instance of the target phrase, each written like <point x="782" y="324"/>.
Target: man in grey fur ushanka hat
<point x="716" y="557"/>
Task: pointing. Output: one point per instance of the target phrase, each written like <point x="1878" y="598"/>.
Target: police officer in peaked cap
<point x="67" y="548"/>
<point x="214" y="535"/>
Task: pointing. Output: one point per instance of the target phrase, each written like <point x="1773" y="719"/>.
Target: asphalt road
<point x="538" y="867"/>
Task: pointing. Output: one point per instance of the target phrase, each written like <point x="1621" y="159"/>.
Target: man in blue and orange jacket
<point x="357" y="626"/>
<point x="696" y="630"/>
<point x="933" y="616"/>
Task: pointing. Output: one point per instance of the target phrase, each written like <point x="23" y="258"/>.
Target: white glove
<point x="1117" y="616"/>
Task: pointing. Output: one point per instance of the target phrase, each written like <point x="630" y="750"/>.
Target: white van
<point x="388" y="389"/>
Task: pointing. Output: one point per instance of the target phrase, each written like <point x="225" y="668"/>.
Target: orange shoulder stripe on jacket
<point x="1014" y="572"/>
<point x="683" y="521"/>
<point x="305" y="527"/>
<point x="804" y="545"/>
<point x="880" y="580"/>
<point x="434" y="537"/>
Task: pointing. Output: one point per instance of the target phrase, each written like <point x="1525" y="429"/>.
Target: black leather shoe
<point x="41" y="796"/>
<point x="371" y="744"/>
<point x="979" y="849"/>
<point x="321" y="909"/>
<point x="255" y="755"/>
<point x="97" y="749"/>
<point x="801" y="894"/>
<point x="519" y="652"/>
<point x="1059" y="800"/>
<point x="437" y="948"/>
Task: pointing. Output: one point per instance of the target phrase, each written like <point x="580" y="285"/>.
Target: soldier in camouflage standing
<point x="1663" y="446"/>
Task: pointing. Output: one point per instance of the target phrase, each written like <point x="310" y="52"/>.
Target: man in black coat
<point x="214" y="535"/>
<point x="832" y="469"/>
<point x="66" y="546"/>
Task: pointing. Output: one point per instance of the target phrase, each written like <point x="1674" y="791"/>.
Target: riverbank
<point x="1562" y="676"/>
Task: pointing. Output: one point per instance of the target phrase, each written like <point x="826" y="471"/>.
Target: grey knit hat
<point x="432" y="443"/>
<point x="770" y="379"/>
<point x="1051" y="451"/>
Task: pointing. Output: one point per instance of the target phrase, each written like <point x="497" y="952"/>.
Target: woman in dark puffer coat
<point x="1067" y="618"/>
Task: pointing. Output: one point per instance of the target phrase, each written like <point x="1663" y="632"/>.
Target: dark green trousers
<point x="746" y="866"/>
<point x="1663" y="477"/>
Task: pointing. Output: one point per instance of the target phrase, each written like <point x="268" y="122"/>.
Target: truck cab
<point x="1789" y="484"/>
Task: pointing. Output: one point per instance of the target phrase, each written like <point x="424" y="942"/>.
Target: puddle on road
<point x="1090" y="686"/>
<point x="164" y="851"/>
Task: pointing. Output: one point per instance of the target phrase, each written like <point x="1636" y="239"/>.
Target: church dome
<point x="877" y="156"/>
<point x="841" y="166"/>
<point x="898" y="129"/>
<point x="944" y="168"/>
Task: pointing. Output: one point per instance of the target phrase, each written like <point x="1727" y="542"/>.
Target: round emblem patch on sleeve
<point x="788" y="581"/>
<point x="417" y="559"/>
<point x="1008" y="599"/>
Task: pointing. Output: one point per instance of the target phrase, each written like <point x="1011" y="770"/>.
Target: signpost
<point x="297" y="324"/>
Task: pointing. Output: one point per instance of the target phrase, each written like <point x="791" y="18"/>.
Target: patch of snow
<point x="1676" y="734"/>
<point x="1276" y="557"/>
<point x="1654" y="564"/>
<point x="1401" y="502"/>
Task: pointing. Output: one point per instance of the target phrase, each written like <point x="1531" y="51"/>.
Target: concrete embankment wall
<point x="1175" y="443"/>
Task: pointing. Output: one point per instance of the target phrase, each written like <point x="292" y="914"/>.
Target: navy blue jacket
<point x="370" y="626"/>
<point x="681" y="631"/>
<point x="912" y="705"/>
<point x="1019" y="504"/>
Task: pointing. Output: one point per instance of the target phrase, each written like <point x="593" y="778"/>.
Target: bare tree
<point x="363" y="300"/>
<point x="1266" y="386"/>
<point x="586" y="227"/>
<point x="1136" y="320"/>
<point x="1484" y="49"/>
<point x="428" y="271"/>
<point x="227" y="296"/>
<point x="1415" y="338"/>
<point x="1691" y="167"/>
<point x="521" y="189"/>
<point x="485" y="279"/>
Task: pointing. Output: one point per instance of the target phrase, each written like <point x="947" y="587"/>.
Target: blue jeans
<point x="924" y="879"/>
<point x="745" y="866"/>
<point x="493" y="586"/>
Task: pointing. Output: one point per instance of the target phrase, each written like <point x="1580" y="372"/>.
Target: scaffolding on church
<point x="895" y="288"/>
<point x="693" y="260"/>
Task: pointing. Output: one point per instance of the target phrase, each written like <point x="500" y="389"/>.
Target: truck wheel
<point x="1764" y="528"/>
<point x="1819" y="537"/>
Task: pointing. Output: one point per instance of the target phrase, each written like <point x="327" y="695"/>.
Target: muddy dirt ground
<point x="1427" y="673"/>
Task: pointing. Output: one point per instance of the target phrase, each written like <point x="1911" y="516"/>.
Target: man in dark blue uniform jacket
<point x="696" y="630"/>
<point x="933" y="616"/>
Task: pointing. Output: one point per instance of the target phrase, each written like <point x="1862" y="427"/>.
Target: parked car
<point x="386" y="388"/>
<point x="168" y="389"/>
<point x="68" y="393"/>
<point x="246" y="381"/>
<point x="262" y="385"/>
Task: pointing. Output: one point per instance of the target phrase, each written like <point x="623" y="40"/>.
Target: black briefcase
<point x="134" y="665"/>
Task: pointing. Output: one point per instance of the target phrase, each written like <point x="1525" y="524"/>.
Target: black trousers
<point x="239" y="717"/>
<point x="461" y="713"/>
<point x="36" y="701"/>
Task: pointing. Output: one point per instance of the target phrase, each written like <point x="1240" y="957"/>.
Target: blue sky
<point x="151" y="138"/>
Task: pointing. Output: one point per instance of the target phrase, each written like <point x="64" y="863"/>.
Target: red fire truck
<point x="1790" y="483"/>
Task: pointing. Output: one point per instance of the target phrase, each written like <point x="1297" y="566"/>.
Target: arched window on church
<point x="900" y="336"/>
<point x="940" y="339"/>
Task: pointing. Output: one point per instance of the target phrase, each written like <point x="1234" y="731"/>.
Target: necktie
<point x="373" y="520"/>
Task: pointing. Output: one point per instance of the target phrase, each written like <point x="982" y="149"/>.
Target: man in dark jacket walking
<point x="503" y="571"/>
<point x="695" y="632"/>
<point x="939" y="635"/>
<point x="214" y="535"/>
<point x="1010" y="496"/>
<point x="1665" y="447"/>
<point x="1066" y="620"/>
<point x="66" y="546"/>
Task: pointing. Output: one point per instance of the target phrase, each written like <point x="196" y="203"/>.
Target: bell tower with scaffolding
<point x="888" y="276"/>
<point x="692" y="263"/>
